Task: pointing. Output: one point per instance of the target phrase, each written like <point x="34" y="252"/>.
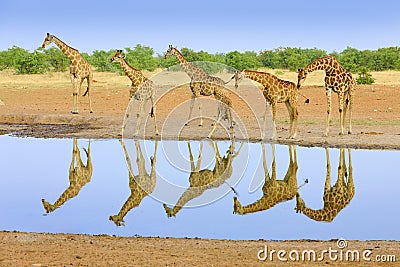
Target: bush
<point x="364" y="77"/>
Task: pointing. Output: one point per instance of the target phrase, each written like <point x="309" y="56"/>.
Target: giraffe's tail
<point x="87" y="91"/>
<point x="152" y="112"/>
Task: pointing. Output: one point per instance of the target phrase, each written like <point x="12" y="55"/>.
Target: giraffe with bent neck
<point x="198" y="75"/>
<point x="337" y="79"/>
<point x="142" y="89"/>
<point x="79" y="70"/>
<point x="79" y="175"/>
<point x="141" y="184"/>
<point x="275" y="91"/>
<point x="336" y="197"/>
<point x="205" y="179"/>
<point x="274" y="191"/>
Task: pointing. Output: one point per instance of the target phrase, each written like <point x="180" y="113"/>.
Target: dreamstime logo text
<point x="338" y="253"/>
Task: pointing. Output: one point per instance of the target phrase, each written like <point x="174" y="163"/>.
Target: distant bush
<point x="143" y="58"/>
<point x="364" y="77"/>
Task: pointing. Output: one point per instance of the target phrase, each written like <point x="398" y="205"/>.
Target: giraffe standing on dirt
<point x="274" y="191"/>
<point x="335" y="197"/>
<point x="202" y="180"/>
<point x="142" y="89"/>
<point x="141" y="184"/>
<point x="197" y="75"/>
<point x="79" y="70"/>
<point x="79" y="175"/>
<point x="275" y="91"/>
<point x="338" y="80"/>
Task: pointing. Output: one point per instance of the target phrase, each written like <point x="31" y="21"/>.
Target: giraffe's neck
<point x="328" y="64"/>
<point x="195" y="73"/>
<point x="70" y="52"/>
<point x="263" y="203"/>
<point x="265" y="79"/>
<point x="134" y="75"/>
<point x="324" y="214"/>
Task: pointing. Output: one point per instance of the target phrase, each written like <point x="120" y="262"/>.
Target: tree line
<point x="144" y="58"/>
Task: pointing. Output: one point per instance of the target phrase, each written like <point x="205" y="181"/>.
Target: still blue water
<point x="34" y="169"/>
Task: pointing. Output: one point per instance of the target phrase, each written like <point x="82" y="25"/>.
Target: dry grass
<point x="61" y="79"/>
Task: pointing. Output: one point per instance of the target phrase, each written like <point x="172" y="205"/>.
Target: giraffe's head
<point x="170" y="52"/>
<point x="117" y="220"/>
<point x="118" y="57"/>
<point x="47" y="40"/>
<point x="238" y="76"/>
<point x="301" y="76"/>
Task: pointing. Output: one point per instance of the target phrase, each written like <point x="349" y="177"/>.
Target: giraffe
<point x="141" y="184"/>
<point x="224" y="102"/>
<point x="338" y="80"/>
<point x="197" y="74"/>
<point x="142" y="89"/>
<point x="202" y="180"/>
<point x="335" y="197"/>
<point x="274" y="191"/>
<point x="275" y="91"/>
<point x="79" y="175"/>
<point x="79" y="69"/>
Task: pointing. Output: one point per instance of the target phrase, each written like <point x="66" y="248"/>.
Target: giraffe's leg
<point x="341" y="96"/>
<point x="140" y="160"/>
<point x="291" y="116"/>
<point x="273" y="163"/>
<point x="192" y="167"/>
<point x="342" y="170"/>
<point x="142" y="104"/>
<point x="263" y="130"/>
<point x="215" y="124"/>
<point x="75" y="88"/>
<point x="329" y="109"/>
<point x="191" y="109"/>
<point x="201" y="114"/>
<point x="328" y="172"/>
<point x="153" y="112"/>
<point x="273" y="106"/>
<point x="350" y="106"/>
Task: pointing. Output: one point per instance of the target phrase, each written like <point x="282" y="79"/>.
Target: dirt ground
<point x="39" y="106"/>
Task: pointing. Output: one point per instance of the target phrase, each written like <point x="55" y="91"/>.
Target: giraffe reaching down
<point x="338" y="80"/>
<point x="142" y="89"/>
<point x="335" y="197"/>
<point x="197" y="75"/>
<point x="274" y="191"/>
<point x="79" y="70"/>
<point x="220" y="94"/>
<point x="79" y="175"/>
<point x="141" y="184"/>
<point x="275" y="91"/>
<point x="202" y="180"/>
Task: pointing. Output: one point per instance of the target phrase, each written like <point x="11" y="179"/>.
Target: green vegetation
<point x="143" y="57"/>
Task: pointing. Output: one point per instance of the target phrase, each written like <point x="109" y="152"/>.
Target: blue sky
<point x="210" y="25"/>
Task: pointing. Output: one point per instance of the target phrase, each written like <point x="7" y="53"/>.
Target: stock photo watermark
<point x="339" y="253"/>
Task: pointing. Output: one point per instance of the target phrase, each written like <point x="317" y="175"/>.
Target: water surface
<point x="35" y="169"/>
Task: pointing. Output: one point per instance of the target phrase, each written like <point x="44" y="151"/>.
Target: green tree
<point x="55" y="59"/>
<point x="141" y="57"/>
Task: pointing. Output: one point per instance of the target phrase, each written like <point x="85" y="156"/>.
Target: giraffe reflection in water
<point x="141" y="184"/>
<point x="202" y="180"/>
<point x="335" y="197"/>
<point x="79" y="175"/>
<point x="274" y="191"/>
